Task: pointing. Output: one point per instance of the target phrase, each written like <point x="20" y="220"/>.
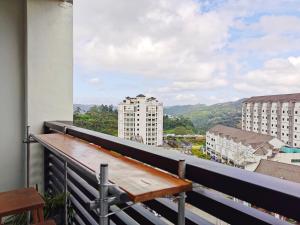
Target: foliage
<point x="197" y="152"/>
<point x="204" y="117"/>
<point x="102" y="118"/>
<point x="178" y="125"/>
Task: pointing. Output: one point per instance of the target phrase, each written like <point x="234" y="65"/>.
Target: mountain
<point x="206" y="116"/>
<point x="202" y="116"/>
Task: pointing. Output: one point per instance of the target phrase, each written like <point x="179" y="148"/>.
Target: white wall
<point x="11" y="94"/>
<point x="49" y="70"/>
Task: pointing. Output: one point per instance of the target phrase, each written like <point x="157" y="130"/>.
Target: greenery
<point x="196" y="150"/>
<point x="178" y="125"/>
<point x="204" y="117"/>
<point x="102" y="118"/>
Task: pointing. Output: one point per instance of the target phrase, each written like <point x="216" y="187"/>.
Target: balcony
<point x="215" y="186"/>
<point x="36" y="86"/>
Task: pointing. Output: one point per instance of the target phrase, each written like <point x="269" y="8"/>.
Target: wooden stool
<point x="21" y="201"/>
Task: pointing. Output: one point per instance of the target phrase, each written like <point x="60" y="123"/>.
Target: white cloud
<point x="188" y="45"/>
<point x="276" y="76"/>
<point x="186" y="98"/>
<point x="167" y="39"/>
<point x="94" y="81"/>
<point x="179" y="86"/>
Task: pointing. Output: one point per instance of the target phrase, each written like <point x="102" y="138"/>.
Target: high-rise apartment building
<point x="141" y="119"/>
<point x="275" y="115"/>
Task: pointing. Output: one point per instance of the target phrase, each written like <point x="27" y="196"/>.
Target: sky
<point x="185" y="51"/>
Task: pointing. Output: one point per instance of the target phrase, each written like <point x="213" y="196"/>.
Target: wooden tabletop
<point x="18" y="201"/>
<point x="140" y="181"/>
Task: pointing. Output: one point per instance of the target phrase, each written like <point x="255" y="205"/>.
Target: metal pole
<point x="28" y="164"/>
<point x="103" y="194"/>
<point x="66" y="191"/>
<point x="27" y="156"/>
<point x="181" y="201"/>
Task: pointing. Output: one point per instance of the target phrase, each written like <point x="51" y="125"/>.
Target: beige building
<point x="141" y="119"/>
<point x="239" y="147"/>
<point x="275" y="115"/>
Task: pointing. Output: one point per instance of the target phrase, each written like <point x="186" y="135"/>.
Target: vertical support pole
<point x="181" y="201"/>
<point x="66" y="190"/>
<point x="27" y="157"/>
<point x="27" y="141"/>
<point x="103" y="194"/>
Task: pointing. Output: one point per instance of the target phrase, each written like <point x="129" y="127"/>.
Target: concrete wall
<point x="11" y="94"/>
<point x="36" y="61"/>
<point x="49" y="70"/>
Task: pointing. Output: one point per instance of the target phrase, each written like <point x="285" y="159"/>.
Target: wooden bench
<point x="141" y="182"/>
<point x="20" y="201"/>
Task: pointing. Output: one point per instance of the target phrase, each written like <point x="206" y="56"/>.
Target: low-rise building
<point x="239" y="147"/>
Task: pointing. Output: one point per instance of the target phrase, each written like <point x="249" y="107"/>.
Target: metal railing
<point x="215" y="186"/>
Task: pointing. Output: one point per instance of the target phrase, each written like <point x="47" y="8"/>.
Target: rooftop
<point x="280" y="170"/>
<point x="274" y="98"/>
<point x="242" y="136"/>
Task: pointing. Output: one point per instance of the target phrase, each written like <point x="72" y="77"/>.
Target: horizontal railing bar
<point x="76" y="190"/>
<point x="142" y="215"/>
<point x="81" y="211"/>
<point x="57" y="180"/>
<point x="128" y="220"/>
<point x="255" y="188"/>
<point x="169" y="210"/>
<point x="227" y="210"/>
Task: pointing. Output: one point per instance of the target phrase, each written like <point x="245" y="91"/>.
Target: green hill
<point x="206" y="116"/>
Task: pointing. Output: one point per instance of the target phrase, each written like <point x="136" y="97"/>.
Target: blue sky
<point x="185" y="51"/>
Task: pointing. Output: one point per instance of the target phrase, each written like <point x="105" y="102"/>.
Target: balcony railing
<point x="213" y="184"/>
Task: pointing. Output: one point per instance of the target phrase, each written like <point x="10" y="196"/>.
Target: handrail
<point x="273" y="194"/>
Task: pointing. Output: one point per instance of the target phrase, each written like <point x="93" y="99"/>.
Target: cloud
<point x="186" y="97"/>
<point x="270" y="35"/>
<point x="277" y="75"/>
<point x="167" y="39"/>
<point x="179" y="86"/>
<point x="191" y="46"/>
<point x="94" y="81"/>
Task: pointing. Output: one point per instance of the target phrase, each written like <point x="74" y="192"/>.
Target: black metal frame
<point x="269" y="193"/>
